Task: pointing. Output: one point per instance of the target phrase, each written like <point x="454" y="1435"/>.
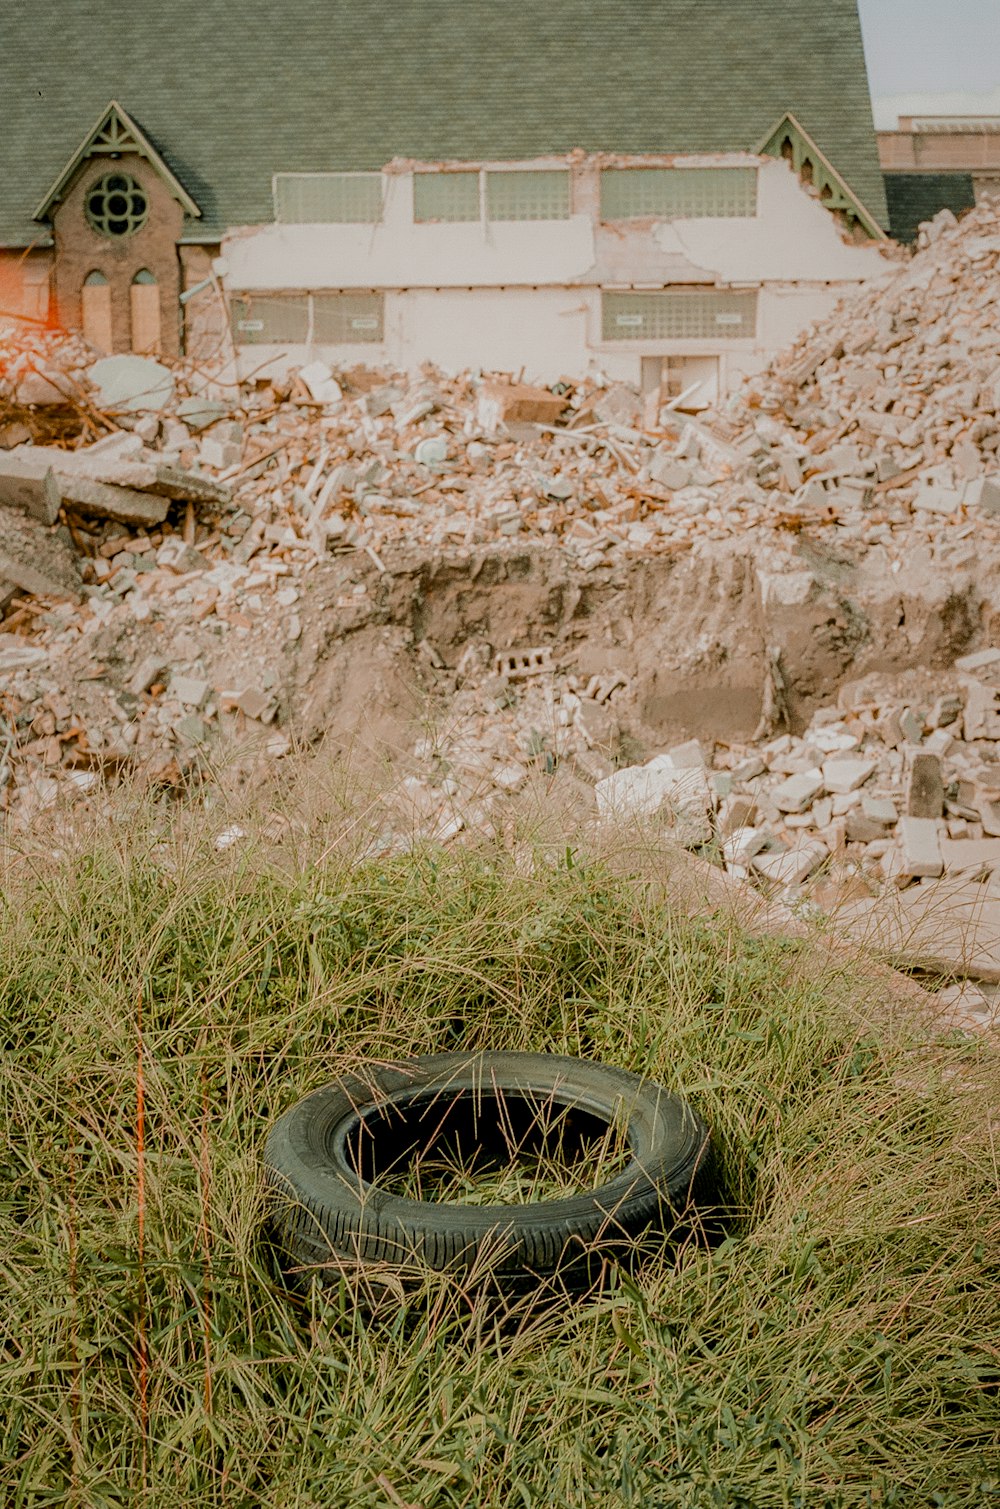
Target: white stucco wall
<point x="525" y="296"/>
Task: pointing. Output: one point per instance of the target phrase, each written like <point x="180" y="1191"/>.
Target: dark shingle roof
<point x="231" y="91"/>
<point x="916" y="197"/>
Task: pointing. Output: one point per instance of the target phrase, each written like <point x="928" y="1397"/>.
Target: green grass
<point x="841" y="1347"/>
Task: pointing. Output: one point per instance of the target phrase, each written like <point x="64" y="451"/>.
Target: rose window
<point x="117" y="205"/>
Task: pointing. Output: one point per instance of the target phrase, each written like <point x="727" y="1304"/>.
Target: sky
<point x="925" y="56"/>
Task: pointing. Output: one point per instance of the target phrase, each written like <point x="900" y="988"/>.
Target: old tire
<point x="329" y="1218"/>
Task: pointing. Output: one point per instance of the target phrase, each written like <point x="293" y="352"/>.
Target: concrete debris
<point x="131" y="384"/>
<point x="207" y="550"/>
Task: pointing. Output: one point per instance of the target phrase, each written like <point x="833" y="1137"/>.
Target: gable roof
<point x="790" y="138"/>
<point x="232" y="91"/>
<point x="114" y="132"/>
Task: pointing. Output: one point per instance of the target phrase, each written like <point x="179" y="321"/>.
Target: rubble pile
<point x="171" y="540"/>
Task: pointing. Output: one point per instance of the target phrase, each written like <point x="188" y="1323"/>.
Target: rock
<point x="880" y="809"/>
<point x="618" y="405"/>
<point x="984" y="493"/>
<point x="174" y="555"/>
<point x="131" y="384"/>
<point x="320" y="383"/>
<point x="149" y="670"/>
<point x="798" y="792"/>
<point x="791" y="866"/>
<point x="925" y="786"/>
<point x="669" y="472"/>
<point x="189" y="691"/>
<point x="24" y="485"/>
<point x="841" y="776"/>
<point x="218" y="453"/>
<point x="920" y="848"/>
<point x="198" y="412"/>
<point x="35" y="559"/>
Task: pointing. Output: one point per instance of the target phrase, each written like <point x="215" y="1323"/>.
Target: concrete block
<point x="919" y="848"/>
<point x="219" y="454"/>
<point x="151" y="668"/>
<point x="880" y="809"/>
<point x="35" y="559"/>
<point x="925" y="786"/>
<point x="743" y="843"/>
<point x="189" y="691"/>
<point x="131" y="384"/>
<point x="25" y="485"/>
<point x="689" y="756"/>
<point x="643" y="790"/>
<point x="798" y="792"/>
<point x="984" y="493"/>
<point x="982" y="711"/>
<point x="323" y="387"/>
<point x="936" y="498"/>
<point x="791" y="866"/>
<point x="669" y="472"/>
<point x="199" y="413"/>
<point x="979" y="661"/>
<point x="842" y="776"/>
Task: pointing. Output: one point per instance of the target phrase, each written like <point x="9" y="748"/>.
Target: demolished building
<point x="664" y="193"/>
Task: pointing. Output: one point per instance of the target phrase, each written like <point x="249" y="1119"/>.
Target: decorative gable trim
<point x="114" y="133"/>
<point x="790" y="139"/>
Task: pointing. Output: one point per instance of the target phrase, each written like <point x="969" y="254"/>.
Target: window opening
<point x="116" y="205"/>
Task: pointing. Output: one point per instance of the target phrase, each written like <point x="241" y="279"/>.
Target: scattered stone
<point x="842" y="776"/>
<point x="798" y="792"/>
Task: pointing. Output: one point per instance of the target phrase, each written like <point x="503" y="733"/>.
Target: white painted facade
<point x="526" y="296"/>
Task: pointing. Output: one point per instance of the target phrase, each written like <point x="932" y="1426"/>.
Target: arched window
<point x="95" y="299"/>
<point x="145" y="304"/>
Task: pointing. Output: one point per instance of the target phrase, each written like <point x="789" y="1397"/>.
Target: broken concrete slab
<point x="791" y="866"/>
<point x="961" y="854"/>
<point x="20" y="654"/>
<point x="131" y="384"/>
<point x="984" y="493"/>
<point x="946" y="927"/>
<point x="36" y="560"/>
<point x="104" y="501"/>
<point x="22" y="485"/>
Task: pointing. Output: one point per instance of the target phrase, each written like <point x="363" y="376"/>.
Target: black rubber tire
<point x="328" y="1217"/>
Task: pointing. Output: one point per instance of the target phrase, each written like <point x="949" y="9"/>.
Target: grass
<point x="162" y="1002"/>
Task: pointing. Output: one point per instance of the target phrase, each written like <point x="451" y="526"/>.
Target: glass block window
<point x="679" y="315"/>
<point x="677" y="193"/>
<point x="347" y="318"/>
<point x="533" y="195"/>
<point x="327" y="198"/>
<point x="270" y="318"/>
<point x="445" y="196"/>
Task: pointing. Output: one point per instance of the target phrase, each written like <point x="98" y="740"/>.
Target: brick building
<point x="646" y="186"/>
<point x="935" y="162"/>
